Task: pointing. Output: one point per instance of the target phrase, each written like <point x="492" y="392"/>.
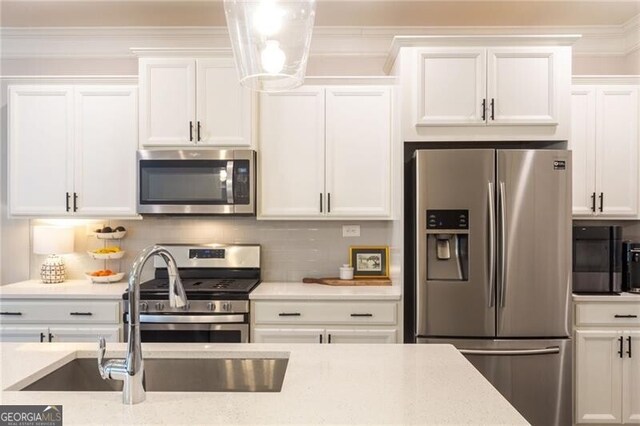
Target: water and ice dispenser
<point x="447" y="245"/>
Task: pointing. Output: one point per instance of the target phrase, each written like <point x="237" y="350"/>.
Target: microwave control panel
<point x="241" y="182"/>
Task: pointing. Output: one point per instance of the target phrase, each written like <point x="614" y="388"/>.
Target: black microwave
<point x="597" y="259"/>
<point x="199" y="181"/>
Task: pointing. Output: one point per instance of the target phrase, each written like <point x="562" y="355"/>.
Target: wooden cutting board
<point x="339" y="282"/>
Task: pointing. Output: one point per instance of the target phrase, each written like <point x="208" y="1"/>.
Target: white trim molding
<point x="606" y="79"/>
<point x="116" y="42"/>
<point x="69" y="79"/>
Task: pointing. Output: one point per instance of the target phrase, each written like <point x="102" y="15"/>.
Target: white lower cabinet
<point x="23" y="334"/>
<point x="607" y="370"/>
<point x="291" y="321"/>
<point x="59" y="320"/>
<point x="287" y="335"/>
<point x="361" y="336"/>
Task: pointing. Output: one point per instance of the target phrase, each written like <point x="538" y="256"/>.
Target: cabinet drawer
<point x="618" y="313"/>
<point x="325" y="313"/>
<point x="47" y="311"/>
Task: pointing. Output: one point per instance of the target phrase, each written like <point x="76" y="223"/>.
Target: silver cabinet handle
<point x="511" y="352"/>
<point x="492" y="243"/>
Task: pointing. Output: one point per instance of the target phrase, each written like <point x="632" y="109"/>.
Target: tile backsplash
<point x="291" y="250"/>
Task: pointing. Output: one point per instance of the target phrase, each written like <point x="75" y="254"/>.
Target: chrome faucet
<point x="131" y="369"/>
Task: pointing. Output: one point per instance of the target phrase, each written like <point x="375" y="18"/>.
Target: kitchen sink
<point x="174" y="375"/>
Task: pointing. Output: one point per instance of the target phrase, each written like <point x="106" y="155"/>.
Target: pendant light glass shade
<point x="270" y="40"/>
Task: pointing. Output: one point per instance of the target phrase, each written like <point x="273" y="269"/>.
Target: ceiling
<point x="53" y="13"/>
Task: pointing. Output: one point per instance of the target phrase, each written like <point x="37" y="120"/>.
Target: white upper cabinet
<point x="583" y="147"/>
<point x="187" y="101"/>
<point x="325" y="153"/>
<point x="358" y="151"/>
<point x="291" y="158"/>
<point x="604" y="141"/>
<point x="483" y="88"/>
<point x="105" y="150"/>
<point x="223" y="111"/>
<point x="521" y="86"/>
<point x="451" y="86"/>
<point x="168" y="101"/>
<point x="617" y="150"/>
<point x="40" y="140"/>
<point x="72" y="150"/>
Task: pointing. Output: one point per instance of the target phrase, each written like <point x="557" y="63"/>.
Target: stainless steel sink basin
<point x="174" y="375"/>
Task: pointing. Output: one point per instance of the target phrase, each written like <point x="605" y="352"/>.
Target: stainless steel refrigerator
<point x="493" y="269"/>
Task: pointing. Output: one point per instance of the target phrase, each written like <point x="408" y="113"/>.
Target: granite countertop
<point x="70" y="289"/>
<point x="301" y="291"/>
<point x="324" y="384"/>
<point x="622" y="297"/>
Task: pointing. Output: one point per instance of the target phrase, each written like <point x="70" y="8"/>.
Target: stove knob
<point x="159" y="306"/>
<point x="226" y="306"/>
<point x="211" y="306"/>
<point x="144" y="306"/>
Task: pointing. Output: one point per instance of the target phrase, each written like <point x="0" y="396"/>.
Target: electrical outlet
<point x="350" y="230"/>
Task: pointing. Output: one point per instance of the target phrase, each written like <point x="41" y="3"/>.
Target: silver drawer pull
<point x="361" y="315"/>
<point x="625" y="316"/>
<point x="15" y="314"/>
<point x="289" y="314"/>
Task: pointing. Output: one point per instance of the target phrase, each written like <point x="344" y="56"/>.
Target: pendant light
<point x="270" y="40"/>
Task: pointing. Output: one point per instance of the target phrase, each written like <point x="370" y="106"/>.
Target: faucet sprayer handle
<point x="101" y="351"/>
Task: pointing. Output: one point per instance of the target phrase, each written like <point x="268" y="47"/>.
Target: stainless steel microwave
<point x="202" y="181"/>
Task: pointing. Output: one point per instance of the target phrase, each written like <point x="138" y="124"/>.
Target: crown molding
<point x="69" y="79"/>
<point x="116" y="42"/>
<point x="605" y="79"/>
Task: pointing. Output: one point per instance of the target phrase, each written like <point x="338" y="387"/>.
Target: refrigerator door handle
<point x="492" y="244"/>
<point x="511" y="352"/>
<point x="502" y="288"/>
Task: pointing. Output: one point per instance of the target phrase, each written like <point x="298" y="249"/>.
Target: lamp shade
<point x="52" y="240"/>
<point x="270" y="40"/>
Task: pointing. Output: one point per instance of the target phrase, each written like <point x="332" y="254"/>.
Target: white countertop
<point x="301" y="291"/>
<point x="70" y="289"/>
<point x="622" y="297"/>
<point x="324" y="384"/>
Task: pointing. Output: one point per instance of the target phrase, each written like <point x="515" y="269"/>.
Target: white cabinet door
<point x="106" y="140"/>
<point x="451" y="86"/>
<point x="598" y="377"/>
<point x="358" y="151"/>
<point x="288" y="335"/>
<point x="223" y="105"/>
<point x="40" y="149"/>
<point x="167" y="101"/>
<point x="631" y="378"/>
<point x="84" y="334"/>
<point x="583" y="146"/>
<point x="521" y="84"/>
<point x="361" y="336"/>
<point x="617" y="150"/>
<point x="291" y="160"/>
<point x="23" y="334"/>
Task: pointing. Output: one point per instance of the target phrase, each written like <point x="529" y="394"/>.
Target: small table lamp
<point x="52" y="241"/>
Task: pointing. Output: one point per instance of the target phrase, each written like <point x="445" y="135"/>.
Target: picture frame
<point x="369" y="261"/>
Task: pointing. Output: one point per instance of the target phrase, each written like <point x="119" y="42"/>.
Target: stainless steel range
<point x="217" y="279"/>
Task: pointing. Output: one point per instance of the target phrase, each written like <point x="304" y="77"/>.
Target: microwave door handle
<point x="230" y="182"/>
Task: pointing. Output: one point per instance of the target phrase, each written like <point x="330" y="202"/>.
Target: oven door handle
<point x="189" y="319"/>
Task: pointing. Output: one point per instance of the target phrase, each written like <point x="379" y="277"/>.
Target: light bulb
<point x="273" y="58"/>
<point x="267" y="18"/>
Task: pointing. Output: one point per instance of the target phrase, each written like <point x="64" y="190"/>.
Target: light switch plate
<point x="350" y="230"/>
